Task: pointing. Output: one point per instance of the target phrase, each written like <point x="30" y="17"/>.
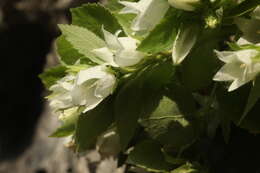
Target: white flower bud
<point x="86" y="89"/>
<point x="120" y="51"/>
<point x="184" y="42"/>
<point x="149" y="13"/>
<point x="92" y="86"/>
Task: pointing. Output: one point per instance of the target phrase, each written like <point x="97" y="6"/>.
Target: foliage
<point x="162" y="83"/>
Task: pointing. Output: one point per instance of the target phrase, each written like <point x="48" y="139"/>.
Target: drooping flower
<point x="187" y="5"/>
<point x="92" y="86"/>
<point x="185" y="40"/>
<point x="241" y="67"/>
<point x="120" y="51"/>
<point x="86" y="89"/>
<point x="149" y="13"/>
<point x="60" y="97"/>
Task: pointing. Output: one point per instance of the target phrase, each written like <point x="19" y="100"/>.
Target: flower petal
<point x="127" y="58"/>
<point x="230" y="71"/>
<point x="105" y="86"/>
<point x="246" y="55"/>
<point x="106" y="55"/>
<point x="184" y="42"/>
<point x="149" y="13"/>
<point x="90" y="73"/>
<point x="128" y="43"/>
<point x="111" y="40"/>
<point x="130" y="7"/>
<point x="91" y="100"/>
<point x="226" y="56"/>
<point x="243" y="41"/>
<point x="236" y="84"/>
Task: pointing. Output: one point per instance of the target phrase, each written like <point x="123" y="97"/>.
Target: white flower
<point x="149" y="13"/>
<point x="86" y="89"/>
<point x="60" y="97"/>
<point x="240" y="67"/>
<point x="185" y="40"/>
<point x="188" y="5"/>
<point x="242" y="41"/>
<point x="92" y="86"/>
<point x="120" y="51"/>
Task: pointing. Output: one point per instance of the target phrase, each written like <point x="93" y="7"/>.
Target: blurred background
<point x="28" y="29"/>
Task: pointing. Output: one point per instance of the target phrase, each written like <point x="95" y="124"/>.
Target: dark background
<point x="27" y="31"/>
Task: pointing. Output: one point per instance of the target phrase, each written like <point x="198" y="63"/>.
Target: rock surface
<point x="49" y="155"/>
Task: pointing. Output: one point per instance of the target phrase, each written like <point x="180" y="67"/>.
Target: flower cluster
<point x="88" y="87"/>
<point x="85" y="89"/>
<point x="150" y="78"/>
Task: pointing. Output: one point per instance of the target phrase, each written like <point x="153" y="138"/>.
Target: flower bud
<point x="85" y="89"/>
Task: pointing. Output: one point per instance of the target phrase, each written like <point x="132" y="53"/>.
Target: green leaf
<point x="138" y="98"/>
<point x="182" y="97"/>
<point x="83" y="40"/>
<point x="93" y="17"/>
<point x="250" y="29"/>
<point x="128" y="108"/>
<point x="50" y="76"/>
<point x="243" y="8"/>
<point x="68" y="54"/>
<point x="235" y="46"/>
<point x="253" y="98"/>
<point x="225" y="125"/>
<point x="162" y="36"/>
<point x="148" y="155"/>
<point x="252" y="120"/>
<point x="113" y="5"/>
<point x="125" y="21"/>
<point x="92" y="124"/>
<point x="231" y="105"/>
<point x="186" y="168"/>
<point x="68" y="124"/>
<point x="152" y="91"/>
<point x="169" y="126"/>
<point x="200" y="65"/>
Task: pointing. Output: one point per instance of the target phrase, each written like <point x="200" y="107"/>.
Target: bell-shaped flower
<point x="92" y="86"/>
<point x="240" y="67"/>
<point x="60" y="97"/>
<point x="184" y="42"/>
<point x="86" y="89"/>
<point x="187" y="5"/>
<point x="120" y="51"/>
<point x="149" y="13"/>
